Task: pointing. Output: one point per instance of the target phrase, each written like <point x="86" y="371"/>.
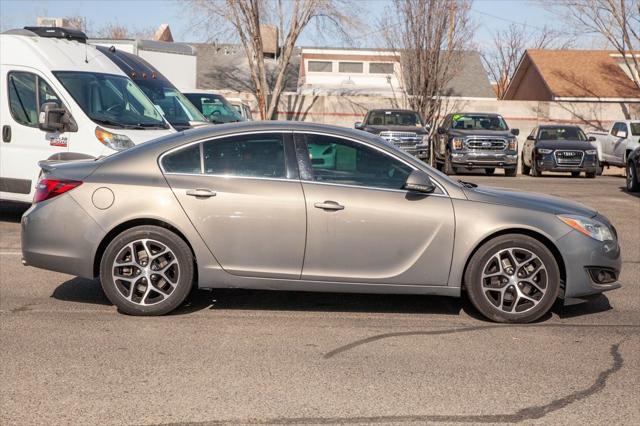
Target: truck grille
<point x="486" y="144"/>
<point x="569" y="158"/>
<point x="402" y="139"/>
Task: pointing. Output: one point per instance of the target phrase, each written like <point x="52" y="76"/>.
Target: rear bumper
<point x="582" y="257"/>
<point x="60" y="236"/>
<point x="506" y="159"/>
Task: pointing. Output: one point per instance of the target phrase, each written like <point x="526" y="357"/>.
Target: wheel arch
<point x="117" y="230"/>
<point x="521" y="231"/>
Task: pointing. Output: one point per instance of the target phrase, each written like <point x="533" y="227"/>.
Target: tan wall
<point x="532" y="87"/>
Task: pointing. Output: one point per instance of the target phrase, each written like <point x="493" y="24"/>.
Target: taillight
<point x="49" y="188"/>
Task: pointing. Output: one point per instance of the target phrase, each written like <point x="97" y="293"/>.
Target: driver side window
<point x="27" y="94"/>
<point x="340" y="161"/>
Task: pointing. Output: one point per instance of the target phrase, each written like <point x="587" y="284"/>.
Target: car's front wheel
<point x="147" y="270"/>
<point x="633" y="181"/>
<point x="513" y="279"/>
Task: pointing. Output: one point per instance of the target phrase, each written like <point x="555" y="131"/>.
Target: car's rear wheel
<point x="513" y="279"/>
<point x="534" y="169"/>
<point x="633" y="181"/>
<point x="599" y="168"/>
<point x="490" y="171"/>
<point x="525" y="170"/>
<point x="147" y="270"/>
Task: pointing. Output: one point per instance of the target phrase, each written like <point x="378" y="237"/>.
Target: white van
<point x="61" y="99"/>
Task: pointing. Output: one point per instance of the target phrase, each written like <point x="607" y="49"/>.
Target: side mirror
<point x="419" y="181"/>
<point x="622" y="134"/>
<point x="515" y="132"/>
<point x="358" y="125"/>
<point x="592" y="138"/>
<point x="531" y="138"/>
<point x="54" y="118"/>
<point x="442" y="130"/>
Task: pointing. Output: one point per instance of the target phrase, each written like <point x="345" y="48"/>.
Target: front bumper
<point x="583" y="254"/>
<point x="549" y="163"/>
<point x="420" y="151"/>
<point x="471" y="159"/>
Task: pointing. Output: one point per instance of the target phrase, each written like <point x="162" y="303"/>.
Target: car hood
<point x="490" y="133"/>
<point x="554" y="144"/>
<point x="528" y="200"/>
<point x="378" y="129"/>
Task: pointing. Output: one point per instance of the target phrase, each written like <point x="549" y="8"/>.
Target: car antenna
<point x="86" y="59"/>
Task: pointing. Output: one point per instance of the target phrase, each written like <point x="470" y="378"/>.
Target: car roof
<point x="392" y="110"/>
<point x="26" y="48"/>
<point x="556" y="126"/>
<point x="486" y="114"/>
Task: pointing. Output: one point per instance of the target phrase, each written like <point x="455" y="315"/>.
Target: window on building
<point x="350" y="67"/>
<point x="320" y="66"/>
<point x="380" y="68"/>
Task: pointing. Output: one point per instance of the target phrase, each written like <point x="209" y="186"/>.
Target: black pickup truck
<point x="476" y="141"/>
<point x="403" y="128"/>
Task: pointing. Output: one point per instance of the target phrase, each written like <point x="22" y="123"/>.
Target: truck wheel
<point x="512" y="278"/>
<point x="633" y="185"/>
<point x="490" y="171"/>
<point x="590" y="175"/>
<point x="448" y="166"/>
<point x="575" y="174"/>
<point x="512" y="172"/>
<point x="524" y="168"/>
<point x="534" y="169"/>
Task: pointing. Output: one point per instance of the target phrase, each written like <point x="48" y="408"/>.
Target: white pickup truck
<point x="615" y="146"/>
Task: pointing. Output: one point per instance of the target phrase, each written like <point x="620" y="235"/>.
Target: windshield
<point x="394" y="118"/>
<point x="561" y="133"/>
<point x="175" y="107"/>
<point x="635" y="129"/>
<point x="478" y="122"/>
<point x="111" y="100"/>
<point x="215" y="107"/>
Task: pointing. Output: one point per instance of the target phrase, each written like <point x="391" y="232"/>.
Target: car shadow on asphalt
<point x="12" y="212"/>
<point x="596" y="304"/>
<point x="633" y="194"/>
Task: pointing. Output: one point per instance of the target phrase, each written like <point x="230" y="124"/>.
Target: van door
<point x="23" y="143"/>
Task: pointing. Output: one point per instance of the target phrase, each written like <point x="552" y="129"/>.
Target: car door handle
<point x="6" y="133"/>
<point x="201" y="193"/>
<point x="329" y="205"/>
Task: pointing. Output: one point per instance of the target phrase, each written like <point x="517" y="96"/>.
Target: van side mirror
<point x="358" y="125"/>
<point x="592" y="138"/>
<point x="442" y="130"/>
<point x="419" y="181"/>
<point x="531" y="138"/>
<point x="515" y="132"/>
<point x="622" y="134"/>
<point x="55" y="118"/>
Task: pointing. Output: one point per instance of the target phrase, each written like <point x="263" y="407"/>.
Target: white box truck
<point x="62" y="99"/>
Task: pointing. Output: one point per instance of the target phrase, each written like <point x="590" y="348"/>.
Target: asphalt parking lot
<point x="242" y="357"/>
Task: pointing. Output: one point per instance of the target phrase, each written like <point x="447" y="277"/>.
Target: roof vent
<point x="57" y="32"/>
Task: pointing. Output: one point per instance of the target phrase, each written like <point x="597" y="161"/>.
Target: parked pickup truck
<point x="403" y="128"/>
<point x="476" y="141"/>
<point x="615" y="146"/>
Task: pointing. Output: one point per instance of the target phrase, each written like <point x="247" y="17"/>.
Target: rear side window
<point x="183" y="161"/>
<point x="259" y="155"/>
<point x="22" y="98"/>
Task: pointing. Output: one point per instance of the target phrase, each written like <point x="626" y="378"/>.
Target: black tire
<point x="633" y="181"/>
<point x="599" y="168"/>
<point x="512" y="172"/>
<point x="590" y="175"/>
<point x="490" y="171"/>
<point x="534" y="169"/>
<point x="575" y="174"/>
<point x="485" y="253"/>
<point x="524" y="169"/>
<point x="184" y="280"/>
<point x="448" y="166"/>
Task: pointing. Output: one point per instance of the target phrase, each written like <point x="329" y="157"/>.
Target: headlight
<point x="513" y="144"/>
<point x="591" y="151"/>
<point x="544" y="151"/>
<point x="457" y="143"/>
<point x="589" y="227"/>
<point x="112" y="140"/>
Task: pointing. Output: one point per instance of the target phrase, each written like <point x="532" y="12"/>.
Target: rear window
<point x="635" y="129"/>
<point x="183" y="161"/>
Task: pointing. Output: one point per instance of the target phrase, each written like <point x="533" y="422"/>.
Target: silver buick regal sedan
<point x="294" y="206"/>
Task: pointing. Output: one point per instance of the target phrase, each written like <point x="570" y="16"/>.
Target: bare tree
<point x="120" y="32"/>
<point x="502" y="58"/>
<point x="76" y="22"/>
<point x="430" y="36"/>
<point x="244" y="19"/>
<point x="617" y="21"/>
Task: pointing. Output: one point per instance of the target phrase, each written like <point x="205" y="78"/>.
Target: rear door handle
<point x="329" y="205"/>
<point x="201" y="193"/>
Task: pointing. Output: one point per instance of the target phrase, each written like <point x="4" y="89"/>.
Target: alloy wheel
<point x="145" y="272"/>
<point x="514" y="280"/>
<point x="630" y="176"/>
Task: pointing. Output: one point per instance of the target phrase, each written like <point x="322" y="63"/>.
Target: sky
<point x="489" y="16"/>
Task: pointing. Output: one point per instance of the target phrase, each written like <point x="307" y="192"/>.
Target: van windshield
<point x="111" y="100"/>
<point x="215" y="107"/>
<point x="177" y="109"/>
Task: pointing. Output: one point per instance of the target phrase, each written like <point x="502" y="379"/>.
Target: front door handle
<point x="201" y="193"/>
<point x="329" y="205"/>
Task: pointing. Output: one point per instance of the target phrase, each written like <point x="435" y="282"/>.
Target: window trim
<point x="37" y="96"/>
<point x="291" y="170"/>
<point x="309" y="61"/>
<point x="351" y="62"/>
<point x="393" y="68"/>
